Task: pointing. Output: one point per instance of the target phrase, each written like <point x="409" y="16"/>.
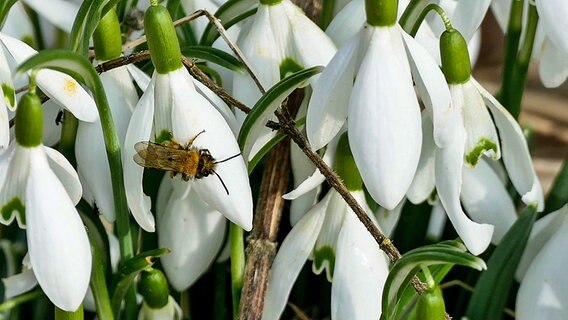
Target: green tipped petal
<point x="162" y="39"/>
<point x="455" y="57"/>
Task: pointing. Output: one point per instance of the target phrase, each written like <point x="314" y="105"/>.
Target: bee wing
<point x="154" y="155"/>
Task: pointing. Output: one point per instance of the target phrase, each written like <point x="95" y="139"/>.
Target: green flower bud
<point x="430" y="305"/>
<point x="29" y="120"/>
<point x="455" y="57"/>
<point x="345" y="165"/>
<point x="154" y="288"/>
<point x="381" y="13"/>
<point x="107" y="37"/>
<point x="162" y="39"/>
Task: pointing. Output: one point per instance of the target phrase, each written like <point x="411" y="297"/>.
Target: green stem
<point x="326" y="14"/>
<point x="431" y="7"/>
<point x="67" y="315"/>
<point x="522" y="65"/>
<point x="98" y="284"/>
<point x="411" y="13"/>
<point x="237" y="265"/>
<point x="512" y="41"/>
<point x="430" y="282"/>
<point x="23" y="298"/>
<point x="68" y="134"/>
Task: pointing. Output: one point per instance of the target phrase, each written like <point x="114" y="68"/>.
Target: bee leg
<point x="173" y="174"/>
<point x="190" y="142"/>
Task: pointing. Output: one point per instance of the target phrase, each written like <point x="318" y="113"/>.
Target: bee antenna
<point x="222" y="182"/>
<point x="227" y="159"/>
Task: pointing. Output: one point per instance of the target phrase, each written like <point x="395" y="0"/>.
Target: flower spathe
<point x="171" y="105"/>
<point x="58" y="246"/>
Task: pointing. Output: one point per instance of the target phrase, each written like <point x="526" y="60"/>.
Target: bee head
<point x="206" y="164"/>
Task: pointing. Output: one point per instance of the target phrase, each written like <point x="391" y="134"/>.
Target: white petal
<point x="220" y="105"/>
<point x="65" y="173"/>
<point x="18" y="24"/>
<point x="486" y="199"/>
<point x="437" y="222"/>
<point x="58" y="246"/>
<point x="424" y="181"/>
<point x="328" y="105"/>
<point x="313" y="46"/>
<point x="60" y="13"/>
<point x="347" y="22"/>
<point x="543" y="291"/>
<point x="384" y="108"/>
<point x="19" y="283"/>
<point x="361" y="270"/>
<point x="194" y="232"/>
<point x="516" y="155"/>
<point x="388" y="219"/>
<point x="449" y="165"/>
<point x="553" y="65"/>
<point x="481" y="134"/>
<point x="139" y="129"/>
<point x="15" y="177"/>
<point x="260" y="48"/>
<point x="432" y="87"/>
<point x="51" y="128"/>
<point x="4" y="126"/>
<point x="325" y="247"/>
<point x="7" y="87"/>
<point x="301" y="169"/>
<point x="188" y="120"/>
<point x="468" y="16"/>
<point x="289" y="260"/>
<point x="541" y="233"/>
<point x="553" y="18"/>
<point x="139" y="76"/>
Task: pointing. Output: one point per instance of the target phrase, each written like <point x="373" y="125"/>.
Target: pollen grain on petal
<point x="70" y="87"/>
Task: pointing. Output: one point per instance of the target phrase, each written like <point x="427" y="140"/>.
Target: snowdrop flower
<point x="39" y="189"/>
<point x="279" y="40"/>
<point x="542" y="270"/>
<point x="463" y="134"/>
<point x="369" y="85"/>
<point x="172" y="107"/>
<point x="331" y="235"/>
<point x="58" y="86"/>
<point x="191" y="229"/>
<point x="7" y="100"/>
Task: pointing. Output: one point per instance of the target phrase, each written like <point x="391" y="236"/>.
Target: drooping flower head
<point x="39" y="189"/>
<point x="175" y="107"/>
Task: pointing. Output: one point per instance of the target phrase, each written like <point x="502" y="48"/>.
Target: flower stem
<point x="67" y="315"/>
<point x="411" y="13"/>
<point x="431" y="7"/>
<point x="517" y="60"/>
<point x="236" y="234"/>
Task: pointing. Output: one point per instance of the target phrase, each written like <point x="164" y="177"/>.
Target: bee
<point x="189" y="161"/>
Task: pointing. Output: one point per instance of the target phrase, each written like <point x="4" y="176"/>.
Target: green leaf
<point x="128" y="273"/>
<point x="492" y="288"/>
<point x="268" y="103"/>
<point x="269" y="145"/>
<point x="86" y="21"/>
<point x="229" y="13"/>
<point x="448" y="252"/>
<point x="213" y="55"/>
<point x="558" y="195"/>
